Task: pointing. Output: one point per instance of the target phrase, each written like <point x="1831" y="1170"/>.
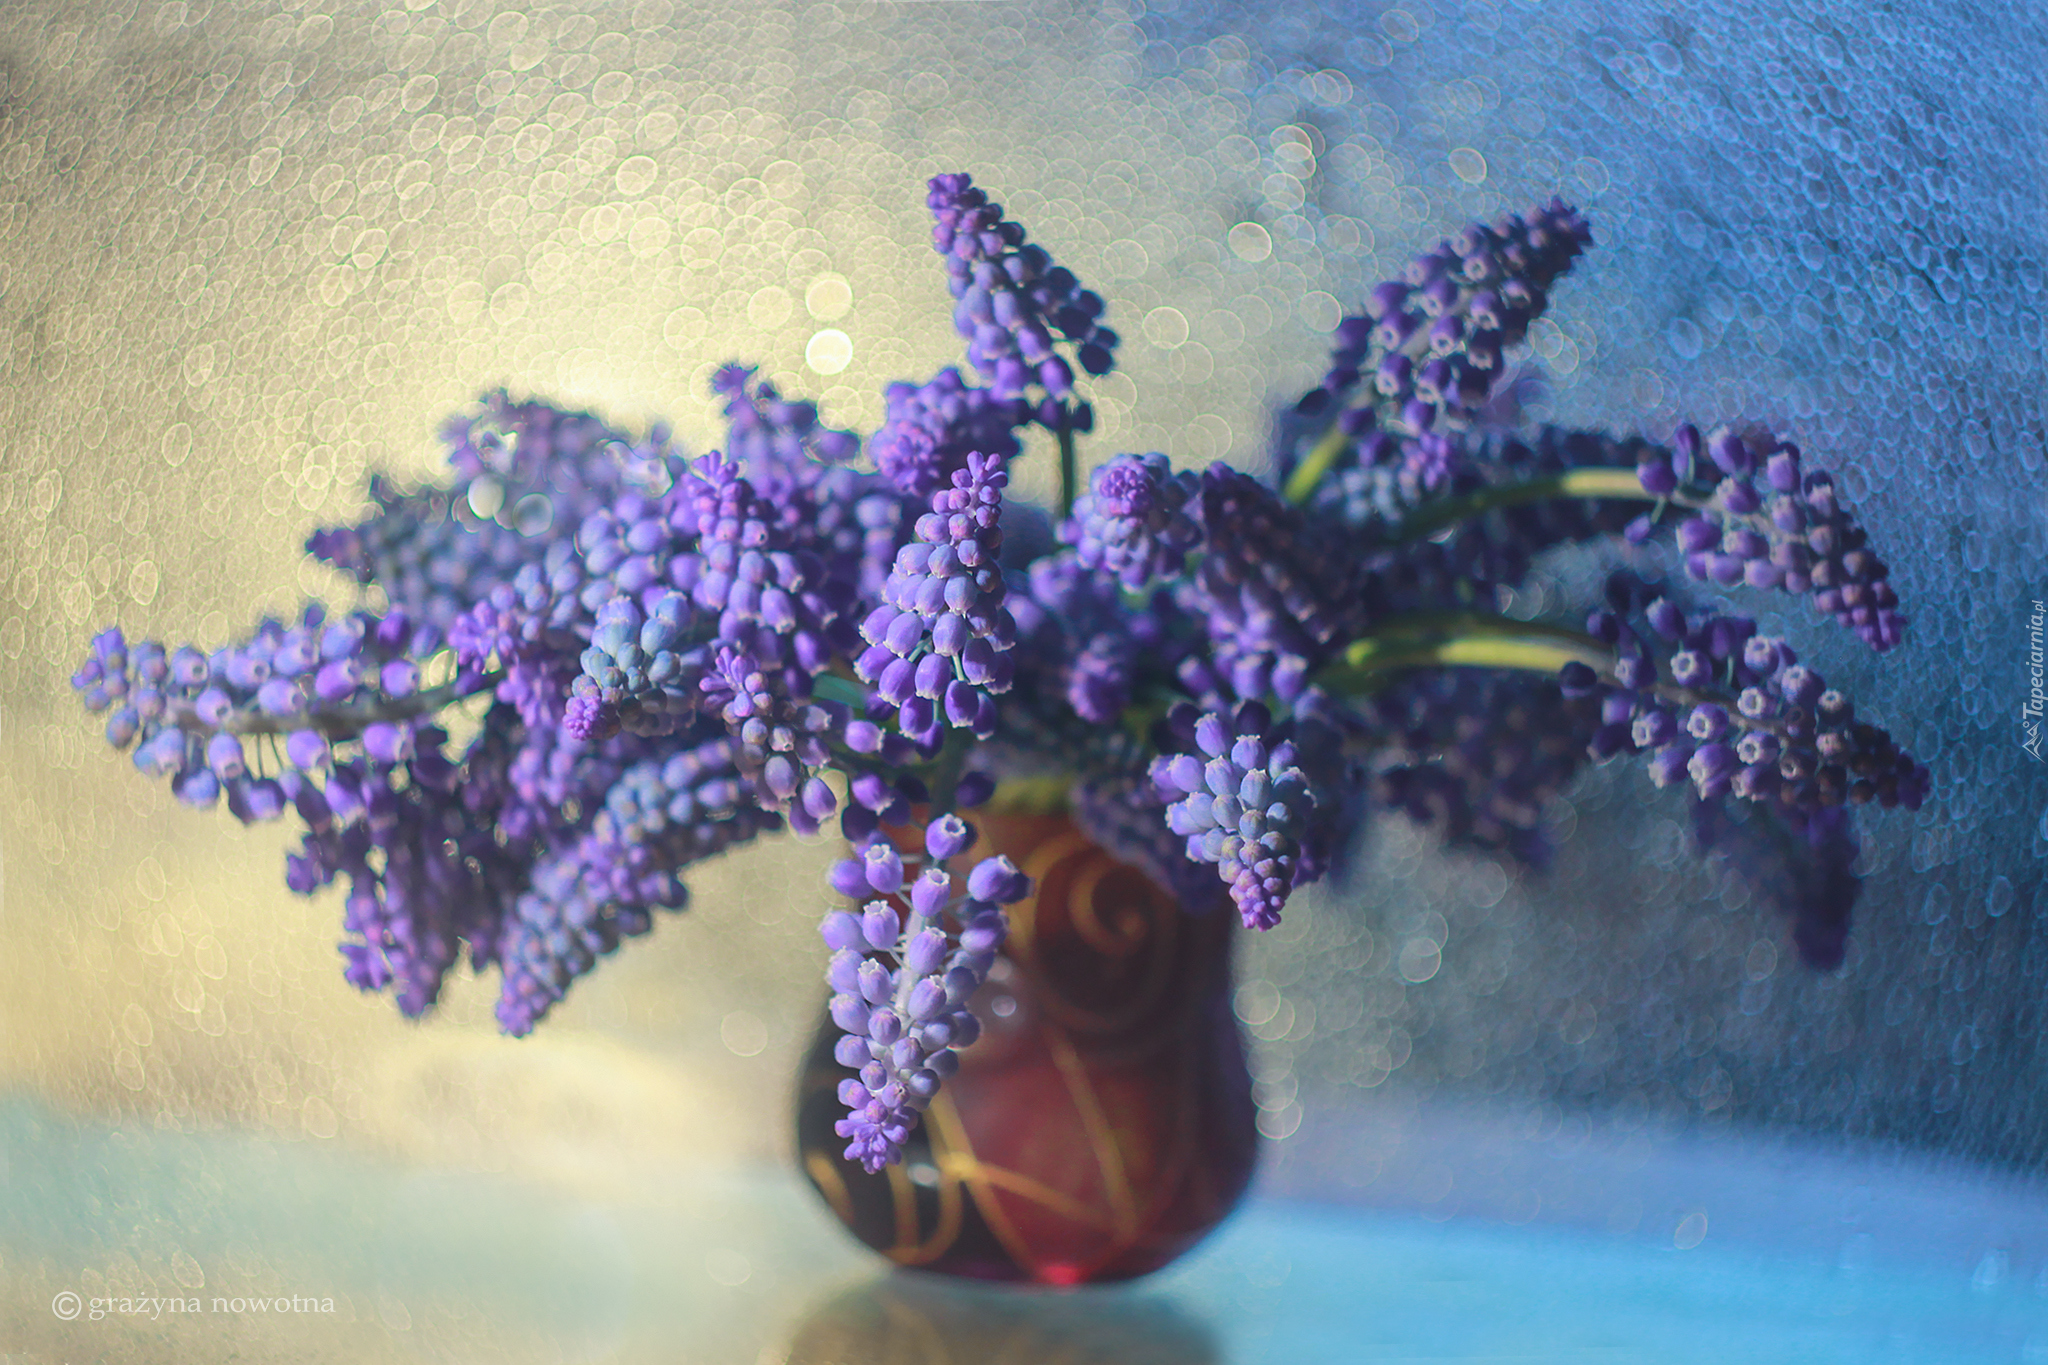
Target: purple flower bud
<point x="819" y="800"/>
<point x="306" y="749"/>
<point x="388" y="742"/>
<point x="1653" y="729"/>
<point x="966" y="1028"/>
<point x="1666" y="618"/>
<point x="933" y="673"/>
<point x="337" y="681"/>
<point x="399" y="678"/>
<point x="998" y="881"/>
<point x="1656" y="477"/>
<point x="255" y="801"/>
<point x="1730" y="454"/>
<point x="1696" y="534"/>
<point x="882" y="866"/>
<point x="948" y="837"/>
<point x="849" y="878"/>
<point x="1576" y="679"/>
<point x="930" y="893"/>
<point x="925" y="952"/>
<point x="224" y="756"/>
<point x="983" y="935"/>
<point x="880" y="925"/>
<point x="842" y="973"/>
<point x="1685" y="450"/>
<point x="1668" y="765"/>
<point x="898" y="683"/>
<point x="1738" y="497"/>
<point x="877" y="982"/>
<point x="1711" y="763"/>
<point x="840" y="929"/>
<point x="1783" y="470"/>
<point x="917" y="716"/>
<point x="1801" y="685"/>
<point x="1691" y="668"/>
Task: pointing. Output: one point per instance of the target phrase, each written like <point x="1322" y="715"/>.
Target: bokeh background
<point x="250" y="252"/>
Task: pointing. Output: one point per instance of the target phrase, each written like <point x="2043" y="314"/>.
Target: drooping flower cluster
<point x="1793" y="534"/>
<point x="664" y="658"/>
<point x="659" y="816"/>
<point x="1011" y="298"/>
<point x="1478" y="755"/>
<point x="903" y="972"/>
<point x="1245" y="809"/>
<point x="1740" y="716"/>
<point x="1274" y="591"/>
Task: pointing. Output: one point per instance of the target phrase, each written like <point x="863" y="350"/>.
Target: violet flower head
<point x="903" y="972"/>
<point x="1274" y="594"/>
<point x="1245" y="809"/>
<point x="1012" y="299"/>
<point x="930" y="429"/>
<point x="766" y="429"/>
<point x="1749" y="719"/>
<point x="1429" y="345"/>
<point x="942" y="638"/>
<point x="1137" y="521"/>
<point x="591" y="892"/>
<point x="1792" y="533"/>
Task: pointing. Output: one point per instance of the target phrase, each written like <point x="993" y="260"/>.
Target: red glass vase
<point x="1102" y="1124"/>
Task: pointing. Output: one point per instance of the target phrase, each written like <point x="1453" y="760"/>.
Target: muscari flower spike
<point x="904" y="972"/>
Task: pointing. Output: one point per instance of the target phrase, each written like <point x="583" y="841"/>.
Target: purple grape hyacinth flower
<point x="1137" y="521"/>
<point x="939" y="647"/>
<point x="1245" y="809"/>
<point x="902" y="982"/>
<point x="1012" y="299"/>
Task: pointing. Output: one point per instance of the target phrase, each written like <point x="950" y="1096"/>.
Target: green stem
<point x="1318" y="462"/>
<point x="945" y="781"/>
<point x="1599" y="482"/>
<point x="1070" y="469"/>
<point x="1462" y="640"/>
<point x="1437" y="627"/>
<point x="845" y="691"/>
<point x="1365" y="670"/>
<point x="1478" y="640"/>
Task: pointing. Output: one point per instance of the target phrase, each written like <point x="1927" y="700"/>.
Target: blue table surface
<point x="742" y="1265"/>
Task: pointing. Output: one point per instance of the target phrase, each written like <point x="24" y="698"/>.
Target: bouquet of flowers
<point x="651" y="658"/>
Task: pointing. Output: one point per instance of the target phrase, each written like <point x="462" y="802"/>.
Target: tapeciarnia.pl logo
<point x="2037" y="695"/>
